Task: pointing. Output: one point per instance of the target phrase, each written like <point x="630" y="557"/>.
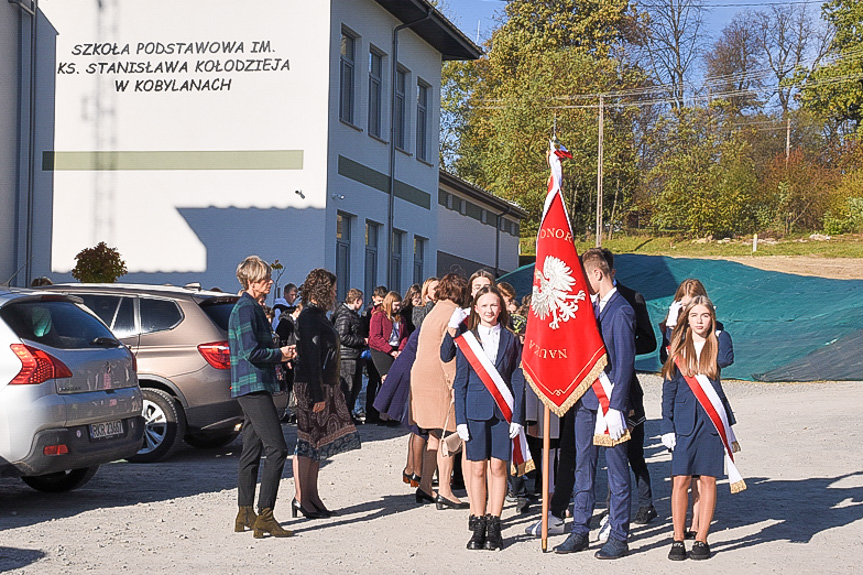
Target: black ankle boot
<point x="477" y="540"/>
<point x="493" y="538"/>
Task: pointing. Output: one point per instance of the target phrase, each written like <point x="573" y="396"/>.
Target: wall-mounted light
<point x="338" y="196"/>
<point x="300" y="193"/>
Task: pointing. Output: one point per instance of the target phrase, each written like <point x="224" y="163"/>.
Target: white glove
<point x="462" y="431"/>
<point x="673" y="312"/>
<point x="458" y="316"/>
<point x="669" y="440"/>
<point x="616" y="424"/>
<point x="514" y="430"/>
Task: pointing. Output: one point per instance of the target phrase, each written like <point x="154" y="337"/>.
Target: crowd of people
<point x="444" y="362"/>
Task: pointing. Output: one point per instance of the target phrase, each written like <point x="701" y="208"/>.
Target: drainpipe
<point x="33" y="11"/>
<point x="497" y="241"/>
<point x="391" y="206"/>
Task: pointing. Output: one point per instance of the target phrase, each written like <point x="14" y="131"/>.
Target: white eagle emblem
<point x="551" y="295"/>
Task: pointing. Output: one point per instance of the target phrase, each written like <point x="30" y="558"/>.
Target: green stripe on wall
<point x="381" y="182"/>
<point x="176" y="160"/>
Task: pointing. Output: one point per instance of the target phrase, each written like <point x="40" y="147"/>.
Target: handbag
<point x="449" y="444"/>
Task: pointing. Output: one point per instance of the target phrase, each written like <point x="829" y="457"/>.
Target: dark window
<point x="117" y="312"/>
<point x="219" y="312"/>
<point x="422" y="121"/>
<point x="373" y="231"/>
<point x="375" y="93"/>
<point x="346" y="71"/>
<point x="442" y="197"/>
<point x="343" y="255"/>
<point x="60" y="324"/>
<point x="396" y="259"/>
<point x="400" y="112"/>
<point x="419" y="259"/>
<point x="159" y="315"/>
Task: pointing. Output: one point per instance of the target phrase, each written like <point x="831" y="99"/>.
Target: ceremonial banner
<point x="563" y="350"/>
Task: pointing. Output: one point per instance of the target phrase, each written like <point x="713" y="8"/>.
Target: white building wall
<point x="10" y="92"/>
<point x="187" y="220"/>
<point x="371" y="25"/>
<point x="469" y="239"/>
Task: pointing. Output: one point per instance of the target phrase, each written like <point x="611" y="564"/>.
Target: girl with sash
<point x="697" y="419"/>
<point x="489" y="410"/>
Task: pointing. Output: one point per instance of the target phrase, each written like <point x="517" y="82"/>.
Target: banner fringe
<point x="738" y="486"/>
<point x="606" y="440"/>
<point x="588" y="380"/>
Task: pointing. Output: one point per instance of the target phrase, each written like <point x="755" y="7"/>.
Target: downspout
<point x="391" y="206"/>
<point x="497" y="241"/>
<point x="33" y="11"/>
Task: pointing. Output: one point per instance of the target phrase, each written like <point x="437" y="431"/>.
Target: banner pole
<point x="546" y="445"/>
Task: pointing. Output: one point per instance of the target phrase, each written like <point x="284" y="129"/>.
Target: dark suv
<point x="180" y="338"/>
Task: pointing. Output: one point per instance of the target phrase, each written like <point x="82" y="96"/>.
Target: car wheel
<point x="62" y="480"/>
<point x="164" y="426"/>
<point x="211" y="441"/>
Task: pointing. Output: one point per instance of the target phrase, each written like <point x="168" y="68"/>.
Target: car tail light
<point x="38" y="366"/>
<point x="61" y="449"/>
<point x="217" y="354"/>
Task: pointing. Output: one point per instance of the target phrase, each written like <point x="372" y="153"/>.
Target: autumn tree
<point x="733" y="66"/>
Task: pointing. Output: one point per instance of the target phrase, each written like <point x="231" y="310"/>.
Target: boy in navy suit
<point x="616" y="320"/>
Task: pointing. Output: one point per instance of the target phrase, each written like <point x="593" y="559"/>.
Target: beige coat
<point x="431" y="378"/>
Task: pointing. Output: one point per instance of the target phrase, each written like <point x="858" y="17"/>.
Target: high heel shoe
<point x="423" y="497"/>
<point x="442" y="503"/>
<point x="327" y="513"/>
<point x="415" y="480"/>
<point x="406" y="477"/>
<point x="296" y="506"/>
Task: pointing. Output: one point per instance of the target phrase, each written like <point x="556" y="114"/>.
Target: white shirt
<point x="490" y="339"/>
<point x="699" y="345"/>
<point x="605" y="299"/>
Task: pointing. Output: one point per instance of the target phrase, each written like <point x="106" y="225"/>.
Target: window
<point x="343" y="254"/>
<point x="346" y="72"/>
<point x="396" y="261"/>
<point x="399" y="112"/>
<point x="373" y="232"/>
<point x="375" y="93"/>
<point x="419" y="259"/>
<point x="422" y="121"/>
<point x="60" y="324"/>
<point x="118" y="313"/>
<point x="159" y="315"/>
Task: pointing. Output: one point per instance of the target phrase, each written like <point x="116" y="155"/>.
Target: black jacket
<point x="317" y="351"/>
<point x="349" y="327"/>
<point x="645" y="342"/>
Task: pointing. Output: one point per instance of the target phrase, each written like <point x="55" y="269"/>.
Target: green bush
<point x="99" y="264"/>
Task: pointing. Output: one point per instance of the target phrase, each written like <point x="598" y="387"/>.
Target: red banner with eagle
<point x="563" y="350"/>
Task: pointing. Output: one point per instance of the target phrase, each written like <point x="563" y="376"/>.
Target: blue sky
<point x="470" y="14"/>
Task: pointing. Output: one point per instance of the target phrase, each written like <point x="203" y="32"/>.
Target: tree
<point x="734" y="66"/>
<point x="671" y="36"/>
<point x="835" y="89"/>
<point x="99" y="264"/>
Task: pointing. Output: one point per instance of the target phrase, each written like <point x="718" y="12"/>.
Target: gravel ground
<point x="802" y="512"/>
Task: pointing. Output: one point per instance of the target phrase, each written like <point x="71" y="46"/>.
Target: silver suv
<point x="180" y="338"/>
<point x="69" y="397"/>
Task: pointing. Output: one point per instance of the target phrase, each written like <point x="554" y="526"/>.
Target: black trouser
<point x="372" y="415"/>
<point x="351" y="380"/>
<point x="262" y="435"/>
<point x="635" y="452"/>
<point x="564" y="481"/>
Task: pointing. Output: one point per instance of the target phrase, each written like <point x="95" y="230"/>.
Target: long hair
<point x="690" y="287"/>
<point x="318" y="288"/>
<point x="408" y="300"/>
<point x="387" y="306"/>
<point x="683" y="347"/>
<point x="502" y="319"/>
<point x="426" y="290"/>
<point x="480" y="274"/>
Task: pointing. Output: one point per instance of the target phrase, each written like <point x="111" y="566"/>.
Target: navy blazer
<point x="680" y="406"/>
<point x="472" y="400"/>
<point x="617" y="327"/>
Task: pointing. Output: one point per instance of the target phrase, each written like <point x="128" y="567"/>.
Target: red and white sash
<point x="709" y="400"/>
<point x="522" y="460"/>
<point x="603" y="387"/>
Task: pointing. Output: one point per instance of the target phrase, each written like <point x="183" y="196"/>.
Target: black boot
<point x="493" y="538"/>
<point x="477" y="540"/>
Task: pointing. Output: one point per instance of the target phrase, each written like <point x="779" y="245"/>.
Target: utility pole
<point x="787" y="142"/>
<point x="599" y="175"/>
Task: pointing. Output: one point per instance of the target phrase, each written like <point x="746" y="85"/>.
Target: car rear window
<point x="59" y="324"/>
<point x="159" y="315"/>
<point x="219" y="312"/>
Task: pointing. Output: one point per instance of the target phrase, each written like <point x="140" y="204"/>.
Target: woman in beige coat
<point x="431" y="389"/>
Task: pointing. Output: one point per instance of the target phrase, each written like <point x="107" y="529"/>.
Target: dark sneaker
<point x="678" y="551"/>
<point x="613" y="549"/>
<point x="645" y="515"/>
<point x="574" y="543"/>
<point x="700" y="551"/>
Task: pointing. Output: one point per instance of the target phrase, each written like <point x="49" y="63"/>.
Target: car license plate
<point x="106" y="430"/>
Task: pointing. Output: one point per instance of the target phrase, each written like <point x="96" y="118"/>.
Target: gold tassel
<point x="738" y="486"/>
<point x="582" y="387"/>
<point x="519" y="470"/>
<point x="604" y="440"/>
